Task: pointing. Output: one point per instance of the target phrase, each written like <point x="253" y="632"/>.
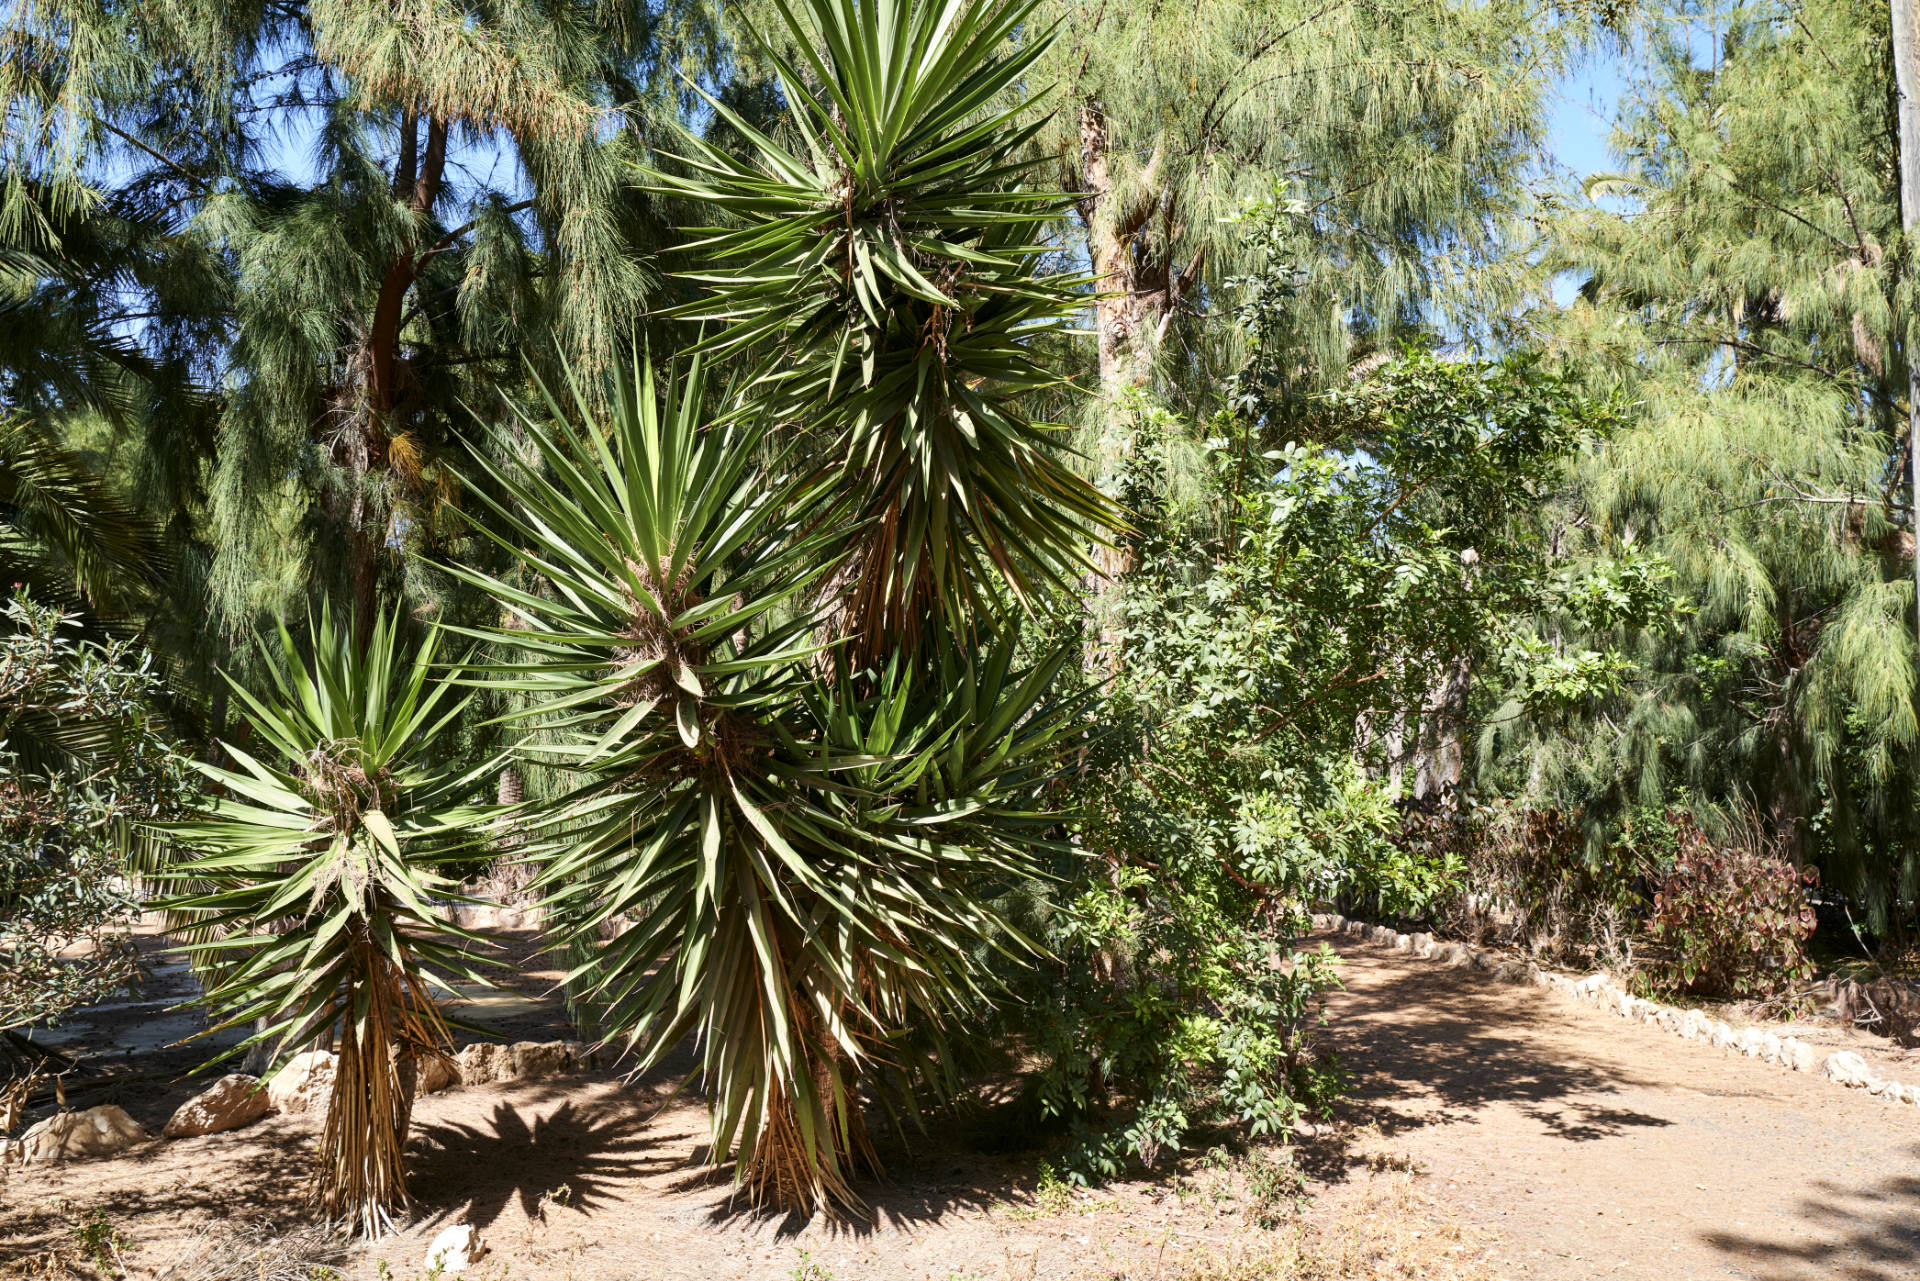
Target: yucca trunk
<point x="360" y="1179"/>
<point x="787" y="1172"/>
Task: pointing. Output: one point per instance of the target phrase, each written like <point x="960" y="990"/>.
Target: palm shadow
<point x="573" y="1156"/>
<point x="1855" y="1234"/>
<point x="926" y="1178"/>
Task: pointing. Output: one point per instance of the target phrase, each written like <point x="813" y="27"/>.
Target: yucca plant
<point x="307" y="898"/>
<point x="792" y="861"/>
<point x="889" y="280"/>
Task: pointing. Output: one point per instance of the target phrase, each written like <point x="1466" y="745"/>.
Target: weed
<point x="1276" y="1190"/>
<point x="97" y="1237"/>
<point x="808" y="1270"/>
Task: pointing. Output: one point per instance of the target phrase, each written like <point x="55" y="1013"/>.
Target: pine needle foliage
<point x="792" y="861"/>
<point x="308" y="892"/>
<point x="345" y="219"/>
<point x="888" y="273"/>
<point x="1745" y="283"/>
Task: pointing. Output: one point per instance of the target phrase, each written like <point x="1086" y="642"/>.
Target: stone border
<point x="1843" y="1067"/>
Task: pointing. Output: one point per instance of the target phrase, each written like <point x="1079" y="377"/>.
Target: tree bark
<point x="417" y="179"/>
<point x="1906" y="75"/>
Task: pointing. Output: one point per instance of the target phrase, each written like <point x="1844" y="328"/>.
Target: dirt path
<point x="1495" y="1131"/>
<point x="1597" y="1147"/>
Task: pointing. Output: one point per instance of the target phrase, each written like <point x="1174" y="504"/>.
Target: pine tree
<point x="1745" y="279"/>
<point x="452" y="199"/>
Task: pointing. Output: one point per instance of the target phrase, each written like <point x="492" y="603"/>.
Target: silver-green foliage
<point x="85" y="761"/>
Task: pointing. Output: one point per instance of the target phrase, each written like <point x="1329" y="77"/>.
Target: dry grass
<point x="1390" y="1230"/>
<point x="256" y="1252"/>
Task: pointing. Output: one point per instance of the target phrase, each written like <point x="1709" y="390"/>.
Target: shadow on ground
<point x="1420" y="1050"/>
<point x="1870" y="1234"/>
<point x="267" y="1184"/>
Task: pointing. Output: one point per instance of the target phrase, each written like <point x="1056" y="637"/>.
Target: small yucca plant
<point x="307" y="893"/>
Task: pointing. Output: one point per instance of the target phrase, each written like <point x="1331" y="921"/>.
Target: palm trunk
<point x="781" y="1171"/>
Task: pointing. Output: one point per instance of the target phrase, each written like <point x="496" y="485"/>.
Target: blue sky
<point x="1578" y="130"/>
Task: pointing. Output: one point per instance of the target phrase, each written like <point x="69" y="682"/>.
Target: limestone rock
<point x="1848" y="1069"/>
<point x="454" y="1250"/>
<point x="1723" y="1037"/>
<point x="1422" y="944"/>
<point x="71" y="1136"/>
<point x="521" y="1061"/>
<point x="1770" y="1047"/>
<point x="434" y="1073"/>
<point x="305" y="1084"/>
<point x="1487" y="961"/>
<point x="231" y="1102"/>
<point x="1798" y="1055"/>
<point x="1510" y="972"/>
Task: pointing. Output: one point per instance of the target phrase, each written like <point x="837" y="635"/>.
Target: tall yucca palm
<point x="307" y="901"/>
<point x="890" y="277"/>
<point x="789" y="862"/>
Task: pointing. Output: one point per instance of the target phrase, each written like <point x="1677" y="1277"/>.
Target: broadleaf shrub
<point x="1733" y="922"/>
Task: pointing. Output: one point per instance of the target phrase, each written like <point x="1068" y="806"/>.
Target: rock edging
<point x="1843" y="1067"/>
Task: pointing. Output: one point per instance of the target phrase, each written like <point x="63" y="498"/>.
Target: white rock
<point x="1690" y="1025"/>
<point x="1403" y="942"/>
<point x="1798" y="1055"/>
<point x="1750" y="1042"/>
<point x="1771" y="1048"/>
<point x="305" y="1084"/>
<point x="231" y="1102"/>
<point x="454" y="1250"/>
<point x="1848" y="1069"/>
<point x="1510" y="972"/>
<point x="1723" y="1037"/>
<point x="1422" y="944"/>
<point x="1487" y="961"/>
<point x="91" y="1132"/>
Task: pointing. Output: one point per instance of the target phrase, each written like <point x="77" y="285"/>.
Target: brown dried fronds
<point x="340" y="788"/>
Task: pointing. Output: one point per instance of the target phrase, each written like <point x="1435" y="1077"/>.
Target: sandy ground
<point x="1495" y="1131"/>
<point x="1597" y="1147"/>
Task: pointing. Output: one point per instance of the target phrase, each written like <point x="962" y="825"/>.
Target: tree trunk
<point x="1440" y="758"/>
<point x="417" y="179"/>
<point x="1906" y="75"/>
<point x="1120" y="309"/>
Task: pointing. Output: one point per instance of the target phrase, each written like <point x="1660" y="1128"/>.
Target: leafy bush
<point x="1735" y="922"/>
<point x="1173" y="1006"/>
<point x="84" y="758"/>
